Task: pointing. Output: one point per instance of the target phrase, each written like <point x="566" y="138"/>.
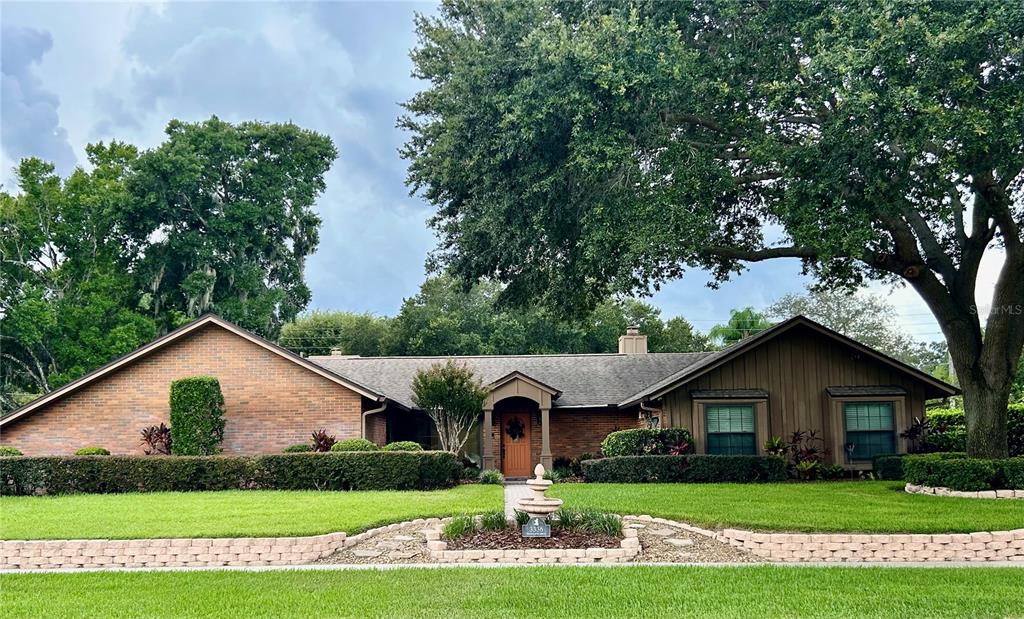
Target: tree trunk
<point x="985" y="411"/>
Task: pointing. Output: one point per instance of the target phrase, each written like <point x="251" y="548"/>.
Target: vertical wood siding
<point x="795" y="368"/>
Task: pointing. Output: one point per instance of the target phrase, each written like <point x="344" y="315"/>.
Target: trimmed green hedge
<point x="685" y="469"/>
<point x="403" y="446"/>
<point x="355" y="444"/>
<point x="958" y="472"/>
<point x="647" y="442"/>
<point x="947" y="430"/>
<point x="93" y="451"/>
<point x="197" y="416"/>
<point x="888" y="466"/>
<point x="301" y="471"/>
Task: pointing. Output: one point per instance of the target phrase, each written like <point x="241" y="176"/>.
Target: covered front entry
<point x="516" y="410"/>
<point x="516" y="459"/>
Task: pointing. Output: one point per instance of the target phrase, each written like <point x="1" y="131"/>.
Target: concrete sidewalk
<point x="513" y="492"/>
<point x="327" y="567"/>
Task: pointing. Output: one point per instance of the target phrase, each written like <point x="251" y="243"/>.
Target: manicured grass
<point x="869" y="507"/>
<point x="649" y="592"/>
<point x="252" y="513"/>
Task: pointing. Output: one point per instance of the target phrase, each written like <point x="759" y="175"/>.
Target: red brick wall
<point x="577" y="431"/>
<point x="270" y="402"/>
<point x="377" y="428"/>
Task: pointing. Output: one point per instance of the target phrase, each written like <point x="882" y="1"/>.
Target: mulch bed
<point x="512" y="539"/>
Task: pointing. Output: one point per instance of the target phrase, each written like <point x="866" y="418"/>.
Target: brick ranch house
<point x="797" y="375"/>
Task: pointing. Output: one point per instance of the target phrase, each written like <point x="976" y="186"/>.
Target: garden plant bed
<point x="512" y="539"/>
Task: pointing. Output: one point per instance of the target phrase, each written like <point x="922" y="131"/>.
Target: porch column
<point x="545" y="437"/>
<point x="486" y="439"/>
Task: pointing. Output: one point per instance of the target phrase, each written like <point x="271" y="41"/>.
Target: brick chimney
<point x="632" y="343"/>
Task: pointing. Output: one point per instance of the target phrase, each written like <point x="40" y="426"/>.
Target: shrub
<point x="157" y="440"/>
<point x="685" y="469"/>
<point x="322" y="441"/>
<point x="92" y="451"/>
<point x="587" y="521"/>
<point x="647" y="442"/>
<point x="1013" y="473"/>
<point x="493" y="521"/>
<point x="775" y="446"/>
<point x="403" y="446"/>
<point x="552" y="475"/>
<point x="294" y="471"/>
<point x="955" y="473"/>
<point x="562" y="473"/>
<point x="298" y="448"/>
<point x="947" y="430"/>
<point x="197" y="416"/>
<point x="521" y="518"/>
<point x="831" y="471"/>
<point x="888" y="466"/>
<point x="457" y="527"/>
<point x="355" y="444"/>
<point x="491" y="476"/>
<point x="8" y="452"/>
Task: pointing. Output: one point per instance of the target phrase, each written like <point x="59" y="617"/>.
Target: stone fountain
<point x="538" y="506"/>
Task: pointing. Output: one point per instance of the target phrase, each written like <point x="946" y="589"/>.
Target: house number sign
<point x="536" y="527"/>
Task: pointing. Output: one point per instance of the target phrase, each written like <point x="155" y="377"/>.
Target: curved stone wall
<point x="980" y="494"/>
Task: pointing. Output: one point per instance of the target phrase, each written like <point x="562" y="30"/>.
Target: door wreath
<point x="515" y="429"/>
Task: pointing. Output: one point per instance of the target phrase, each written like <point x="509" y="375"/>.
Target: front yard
<point x="866" y="507"/>
<point x="650" y="592"/>
<point x="249" y="513"/>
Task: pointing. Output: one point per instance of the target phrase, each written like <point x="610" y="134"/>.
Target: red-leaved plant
<point x="157" y="440"/>
<point x="322" y="441"/>
<point x="680" y="449"/>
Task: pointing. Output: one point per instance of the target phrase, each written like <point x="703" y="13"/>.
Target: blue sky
<point x="82" y="72"/>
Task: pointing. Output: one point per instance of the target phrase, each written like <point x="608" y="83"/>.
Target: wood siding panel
<point x="795" y="368"/>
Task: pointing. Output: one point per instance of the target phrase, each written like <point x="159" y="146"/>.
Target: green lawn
<point x="251" y="513"/>
<point x="869" y="507"/>
<point x="649" y="592"/>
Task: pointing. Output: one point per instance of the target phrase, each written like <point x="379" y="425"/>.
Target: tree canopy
<point x="452" y="396"/>
<point x="742" y="323"/>
<point x="218" y="218"/>
<point x="869" y="319"/>
<point x="573" y="150"/>
<point x="443" y="318"/>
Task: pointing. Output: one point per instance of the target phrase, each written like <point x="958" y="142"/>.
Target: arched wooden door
<point x="515" y="445"/>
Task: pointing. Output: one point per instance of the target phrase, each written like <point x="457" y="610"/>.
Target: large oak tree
<point x="218" y="218"/>
<point x="578" y="149"/>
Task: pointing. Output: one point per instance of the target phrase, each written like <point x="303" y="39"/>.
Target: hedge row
<point x="647" y="442"/>
<point x="296" y="471"/>
<point x="685" y="469"/>
<point x="962" y="473"/>
<point x="947" y="430"/>
<point x="890" y="466"/>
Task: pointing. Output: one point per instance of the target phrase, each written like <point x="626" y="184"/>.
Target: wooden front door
<point x="515" y="445"/>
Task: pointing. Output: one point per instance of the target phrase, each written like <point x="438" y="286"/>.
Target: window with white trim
<point x="731" y="429"/>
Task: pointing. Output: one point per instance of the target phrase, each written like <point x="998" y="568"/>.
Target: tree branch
<point x="757" y="255"/>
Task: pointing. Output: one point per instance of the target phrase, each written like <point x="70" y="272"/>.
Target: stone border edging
<point x="980" y="494"/>
<point x="1003" y="546"/>
<point x="863" y="547"/>
<point x="182" y="552"/>
<point x="628" y="548"/>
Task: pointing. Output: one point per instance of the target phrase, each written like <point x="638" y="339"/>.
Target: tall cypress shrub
<point x="197" y="416"/>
